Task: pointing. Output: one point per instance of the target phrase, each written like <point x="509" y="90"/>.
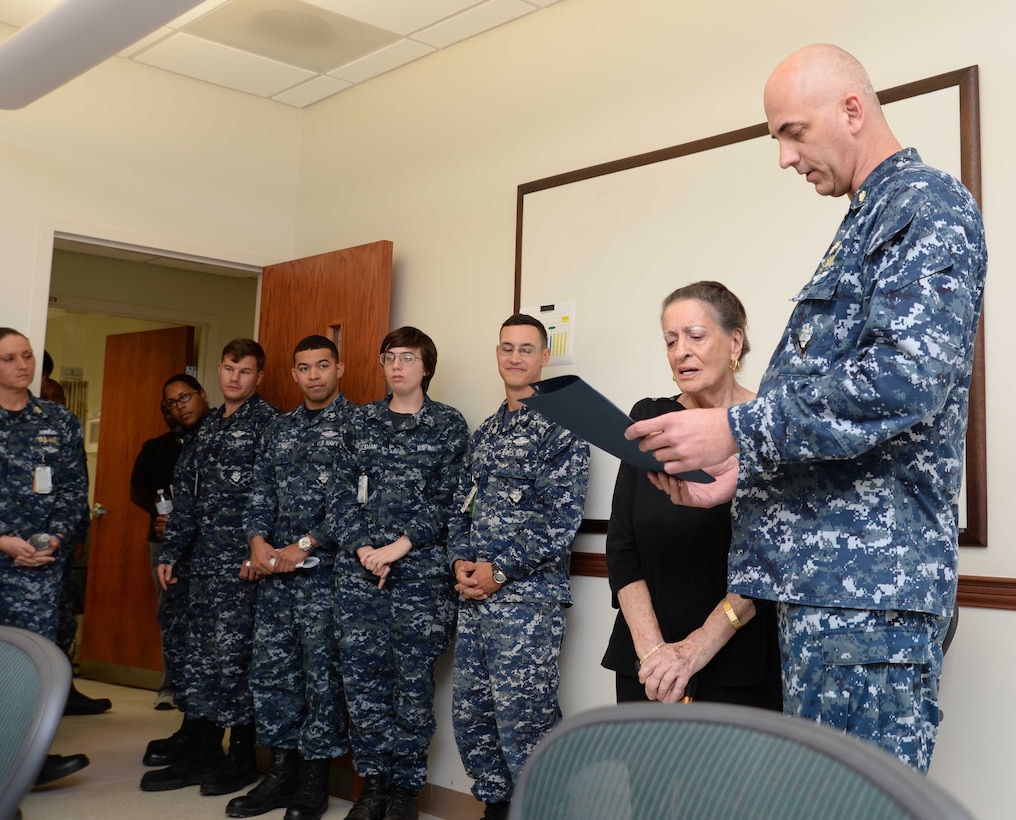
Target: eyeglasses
<point x="183" y="398"/>
<point x="407" y="359"/>
<point x="525" y="351"/>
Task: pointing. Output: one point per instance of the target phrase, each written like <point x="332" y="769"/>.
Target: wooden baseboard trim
<point x="974" y="590"/>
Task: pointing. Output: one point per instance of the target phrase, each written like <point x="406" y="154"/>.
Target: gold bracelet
<point x="650" y="653"/>
<point x="731" y="615"/>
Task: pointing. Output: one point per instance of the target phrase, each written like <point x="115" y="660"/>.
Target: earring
<point x="735" y="366"/>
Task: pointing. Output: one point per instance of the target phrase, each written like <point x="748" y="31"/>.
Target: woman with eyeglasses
<point x="396" y="601"/>
<point x="679" y="634"/>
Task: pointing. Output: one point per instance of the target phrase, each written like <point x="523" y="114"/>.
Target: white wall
<point x="429" y="156"/>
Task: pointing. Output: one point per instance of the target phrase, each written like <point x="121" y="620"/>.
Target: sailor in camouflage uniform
<point x="517" y="511"/>
<point x="395" y="594"/>
<point x="207" y="524"/>
<point x="43" y="491"/>
<point x="304" y="470"/>
<point x="851" y="457"/>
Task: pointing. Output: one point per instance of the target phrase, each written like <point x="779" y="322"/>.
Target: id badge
<point x="466" y="505"/>
<point x="43" y="481"/>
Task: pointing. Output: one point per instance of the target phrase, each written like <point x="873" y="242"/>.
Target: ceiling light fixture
<point x="72" y="38"/>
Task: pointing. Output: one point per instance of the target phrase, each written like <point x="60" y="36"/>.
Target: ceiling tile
<point x="479" y="18"/>
<point x="393" y="56"/>
<point x="542" y="3"/>
<point x="312" y="91"/>
<point x="214" y="63"/>
<point x="401" y="16"/>
<point x="292" y="32"/>
<point x="22" y="12"/>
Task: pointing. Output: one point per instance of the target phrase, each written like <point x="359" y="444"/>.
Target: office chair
<point x="35" y="677"/>
<point x="714" y="761"/>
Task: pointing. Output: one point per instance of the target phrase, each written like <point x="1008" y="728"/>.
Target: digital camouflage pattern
<point x="852" y="454"/>
<point x="42" y="435"/>
<point x="873" y="674"/>
<point x="530" y="478"/>
<point x="303" y="474"/>
<point x="505" y="688"/>
<point x="390" y="638"/>
<point x="210" y="493"/>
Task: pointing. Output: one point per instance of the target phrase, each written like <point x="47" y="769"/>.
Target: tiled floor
<point x="108" y="788"/>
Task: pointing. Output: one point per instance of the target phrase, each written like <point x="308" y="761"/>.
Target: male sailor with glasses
<point x="518" y="508"/>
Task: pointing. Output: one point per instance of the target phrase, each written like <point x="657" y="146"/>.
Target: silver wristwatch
<point x="305" y="543"/>
<point x="498" y="573"/>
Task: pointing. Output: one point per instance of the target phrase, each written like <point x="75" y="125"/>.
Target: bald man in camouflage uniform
<point x="851" y="457"/>
<point x="509" y="542"/>
<point x="304" y="467"/>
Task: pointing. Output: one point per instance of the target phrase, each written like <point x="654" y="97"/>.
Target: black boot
<point x="58" y="766"/>
<point x="311" y="800"/>
<point x="172" y="749"/>
<point x="373" y="800"/>
<point x="401" y="805"/>
<point x="203" y="758"/>
<point x="497" y="811"/>
<point x="79" y="703"/>
<point x="240" y="767"/>
<point x="276" y="791"/>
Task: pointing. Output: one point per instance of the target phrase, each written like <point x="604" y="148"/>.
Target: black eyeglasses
<point x="183" y="398"/>
<point x="406" y="358"/>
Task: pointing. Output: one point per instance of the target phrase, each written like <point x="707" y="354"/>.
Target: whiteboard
<point x="615" y="244"/>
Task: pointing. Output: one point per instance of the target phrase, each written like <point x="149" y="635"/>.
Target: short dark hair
<point x="10" y="331"/>
<point x="414" y="337"/>
<point x="186" y="378"/>
<point x="525" y="319"/>
<point x="47" y="364"/>
<point x="727" y="308"/>
<point x="316" y="342"/>
<point x="237" y="349"/>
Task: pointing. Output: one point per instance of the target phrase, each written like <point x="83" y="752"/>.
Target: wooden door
<point x="120" y="601"/>
<point x="344" y="295"/>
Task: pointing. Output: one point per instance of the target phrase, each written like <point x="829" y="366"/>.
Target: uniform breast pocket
<point x="515" y="486"/>
<point x="826" y="318"/>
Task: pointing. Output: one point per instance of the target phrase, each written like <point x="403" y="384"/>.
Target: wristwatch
<point x="498" y="573"/>
<point x="305" y="543"/>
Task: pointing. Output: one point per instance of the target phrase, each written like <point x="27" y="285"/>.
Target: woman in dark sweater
<point x="679" y="633"/>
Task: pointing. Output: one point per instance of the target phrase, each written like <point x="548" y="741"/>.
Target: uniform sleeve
<point x="460" y="547"/>
<point x="262" y="502"/>
<point x="182" y="527"/>
<point x="912" y="350"/>
<point x="71" y="505"/>
<point x="428" y="524"/>
<point x="560" y="493"/>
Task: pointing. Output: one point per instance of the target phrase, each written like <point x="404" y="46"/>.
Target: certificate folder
<point x="590" y="415"/>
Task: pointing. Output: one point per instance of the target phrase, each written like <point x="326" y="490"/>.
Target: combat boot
<point x="276" y="791"/>
<point x="401" y="805"/>
<point x="497" y="811"/>
<point x="240" y="767"/>
<point x="311" y="800"/>
<point x="204" y="757"/>
<point x="373" y="800"/>
<point x="172" y="749"/>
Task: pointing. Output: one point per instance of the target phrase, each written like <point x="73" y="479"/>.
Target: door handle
<point x="98" y="510"/>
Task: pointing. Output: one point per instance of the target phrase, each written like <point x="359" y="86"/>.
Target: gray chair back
<point x="711" y="761"/>
<point x="35" y="677"/>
